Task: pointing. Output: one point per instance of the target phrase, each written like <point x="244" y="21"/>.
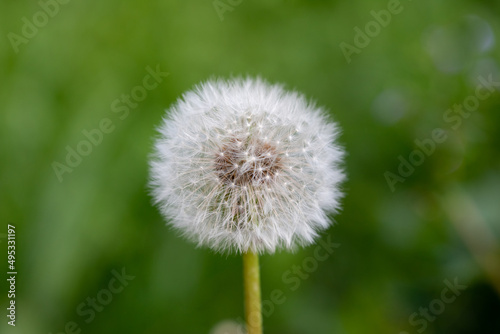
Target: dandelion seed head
<point x="243" y="165"/>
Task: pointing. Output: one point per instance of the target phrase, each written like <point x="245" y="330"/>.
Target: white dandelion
<point x="246" y="166"/>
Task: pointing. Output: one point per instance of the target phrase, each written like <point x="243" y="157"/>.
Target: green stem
<point x="251" y="279"/>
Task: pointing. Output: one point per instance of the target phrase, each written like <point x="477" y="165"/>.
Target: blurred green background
<point x="61" y="77"/>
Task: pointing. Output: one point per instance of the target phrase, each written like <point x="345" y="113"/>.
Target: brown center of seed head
<point x="241" y="163"/>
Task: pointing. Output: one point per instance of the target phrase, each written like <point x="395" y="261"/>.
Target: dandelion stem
<point x="253" y="307"/>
